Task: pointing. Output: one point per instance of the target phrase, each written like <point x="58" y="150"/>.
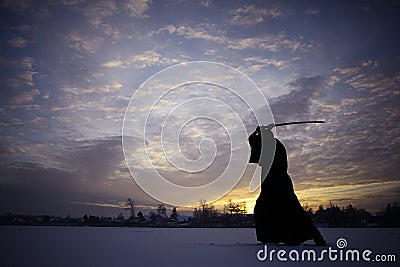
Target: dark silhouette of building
<point x="279" y="217"/>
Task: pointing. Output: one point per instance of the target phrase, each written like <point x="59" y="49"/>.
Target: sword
<point x="295" y="122"/>
<point x="272" y="125"/>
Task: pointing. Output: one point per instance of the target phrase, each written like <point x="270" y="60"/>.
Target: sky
<point x="69" y="69"/>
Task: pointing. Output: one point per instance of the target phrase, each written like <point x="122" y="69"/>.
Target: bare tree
<point x="130" y="205"/>
<point x="235" y="207"/>
<point x="206" y="214"/>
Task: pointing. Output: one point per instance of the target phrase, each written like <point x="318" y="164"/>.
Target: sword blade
<point x="296" y="122"/>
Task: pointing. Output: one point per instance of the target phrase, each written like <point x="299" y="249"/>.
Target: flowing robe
<point x="279" y="217"/>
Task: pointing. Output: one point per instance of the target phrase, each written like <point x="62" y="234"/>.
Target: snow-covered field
<point x="87" y="246"/>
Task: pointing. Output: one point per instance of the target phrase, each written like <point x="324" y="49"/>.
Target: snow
<point x="113" y="246"/>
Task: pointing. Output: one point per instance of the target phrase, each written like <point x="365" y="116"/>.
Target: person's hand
<point x="266" y="131"/>
<point x="268" y="127"/>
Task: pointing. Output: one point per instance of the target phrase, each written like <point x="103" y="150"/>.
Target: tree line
<point x="349" y="216"/>
<point x="233" y="214"/>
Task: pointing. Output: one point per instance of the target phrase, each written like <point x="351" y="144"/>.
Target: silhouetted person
<point x="279" y="217"/>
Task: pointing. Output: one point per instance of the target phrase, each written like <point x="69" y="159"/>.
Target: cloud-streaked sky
<point x="69" y="68"/>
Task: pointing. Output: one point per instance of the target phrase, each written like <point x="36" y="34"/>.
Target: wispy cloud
<point x="151" y="58"/>
<point x="18" y="42"/>
<point x="99" y="10"/>
<point x="259" y="63"/>
<point x="17" y="5"/>
<point x="103" y="89"/>
<point x="141" y="61"/>
<point x="342" y="72"/>
<point x="206" y="3"/>
<point x="23" y="72"/>
<point x="268" y="42"/>
<point x="137" y="8"/>
<point x="25" y="97"/>
<point x="72" y="2"/>
<point x="204" y="32"/>
<point x="81" y="42"/>
<point x="362" y="77"/>
<point x="113" y="64"/>
<point x="25" y="63"/>
<point x="250" y="15"/>
<point x="312" y="11"/>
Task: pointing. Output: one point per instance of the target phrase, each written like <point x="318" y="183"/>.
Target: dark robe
<point x="279" y="217"/>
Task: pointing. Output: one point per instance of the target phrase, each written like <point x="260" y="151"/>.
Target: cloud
<point x="353" y="70"/>
<point x="11" y="122"/>
<point x="206" y="3"/>
<point x="313" y="11"/>
<point x="101" y="89"/>
<point x="18" y="42"/>
<point x="137" y="8"/>
<point x="296" y="104"/>
<point x="141" y="61"/>
<point x="269" y="42"/>
<point x="23" y="78"/>
<point x="89" y="171"/>
<point x="83" y="43"/>
<point x="101" y="15"/>
<point x="22" y="28"/>
<point x="109" y="30"/>
<point x="113" y="64"/>
<point x="25" y="97"/>
<point x="23" y="73"/>
<point x="198" y="32"/>
<point x="72" y="2"/>
<point x="363" y="77"/>
<point x="355" y="148"/>
<point x="151" y="58"/>
<point x="17" y="5"/>
<point x="29" y="187"/>
<point x="250" y="15"/>
<point x="259" y="63"/>
<point x="27" y="77"/>
<point x="98" y="12"/>
<point x="101" y="9"/>
<point x="25" y="63"/>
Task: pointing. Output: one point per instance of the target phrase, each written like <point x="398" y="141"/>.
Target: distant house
<point x="184" y="219"/>
<point x="119" y="219"/>
<point x="55" y="219"/>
